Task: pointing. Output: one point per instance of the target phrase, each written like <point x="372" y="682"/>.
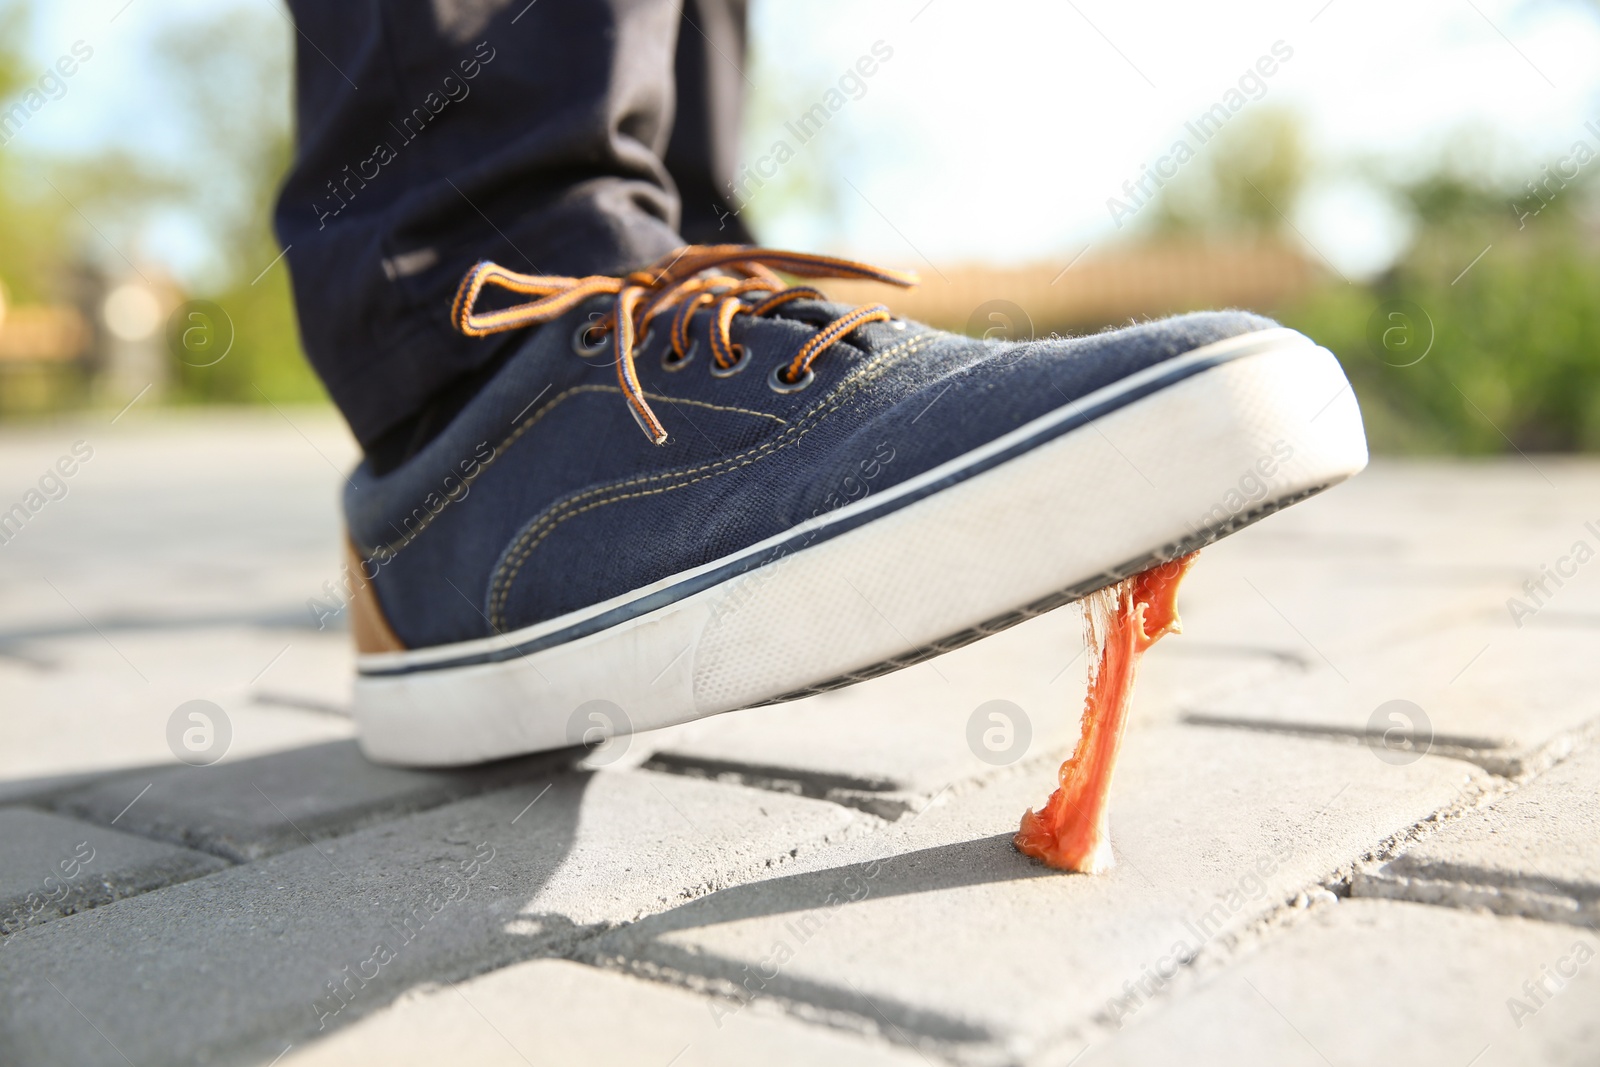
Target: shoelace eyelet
<point x="692" y="276"/>
<point x="669" y="363"/>
<point x="779" y="384"/>
<point x="586" y="348"/>
<point x="740" y="362"/>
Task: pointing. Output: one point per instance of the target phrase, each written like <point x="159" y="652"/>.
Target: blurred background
<point x="1413" y="185"/>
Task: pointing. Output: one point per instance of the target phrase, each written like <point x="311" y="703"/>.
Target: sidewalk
<point x="829" y="880"/>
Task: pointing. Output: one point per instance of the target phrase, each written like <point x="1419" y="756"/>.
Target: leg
<point x="704" y="151"/>
<point x="432" y="135"/>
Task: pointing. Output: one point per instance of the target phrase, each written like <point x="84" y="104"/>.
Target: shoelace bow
<point x="721" y="276"/>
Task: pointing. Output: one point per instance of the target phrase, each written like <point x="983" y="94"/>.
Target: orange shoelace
<point x="697" y="276"/>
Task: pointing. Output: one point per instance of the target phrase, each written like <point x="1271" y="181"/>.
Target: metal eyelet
<point x="583" y="346"/>
<point x="779" y="384"/>
<point x="740" y="362"/>
<point x="897" y="324"/>
<point x="669" y="363"/>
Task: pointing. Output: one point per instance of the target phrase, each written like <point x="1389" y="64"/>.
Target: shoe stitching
<point x="780" y="420"/>
<point x="542" y="526"/>
<point x="668" y="474"/>
<point x="545" y="524"/>
<point x="406" y="540"/>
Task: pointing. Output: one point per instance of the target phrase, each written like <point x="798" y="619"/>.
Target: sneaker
<point x="697" y="488"/>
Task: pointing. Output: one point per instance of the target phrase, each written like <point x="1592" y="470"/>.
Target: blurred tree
<point x="806" y="181"/>
<point x="795" y="187"/>
<point x="1239" y="182"/>
<point x="232" y="74"/>
<point x="31" y="257"/>
<point x="1485" y="336"/>
<point x="229" y="77"/>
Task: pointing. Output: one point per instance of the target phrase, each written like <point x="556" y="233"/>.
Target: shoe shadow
<point x="250" y="809"/>
<point x="812" y="900"/>
<point x="352" y="884"/>
<point x="983" y="861"/>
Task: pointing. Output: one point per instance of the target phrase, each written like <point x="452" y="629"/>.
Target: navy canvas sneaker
<point x="820" y="494"/>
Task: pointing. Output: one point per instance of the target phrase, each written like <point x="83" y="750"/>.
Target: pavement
<point x="1355" y="822"/>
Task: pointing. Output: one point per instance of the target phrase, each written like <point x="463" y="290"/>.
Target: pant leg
<point x="434" y="133"/>
<point x="703" y="153"/>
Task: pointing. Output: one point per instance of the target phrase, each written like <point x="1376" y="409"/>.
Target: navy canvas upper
<point x="543" y="496"/>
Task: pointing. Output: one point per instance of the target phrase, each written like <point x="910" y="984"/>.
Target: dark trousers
<point x="557" y="137"/>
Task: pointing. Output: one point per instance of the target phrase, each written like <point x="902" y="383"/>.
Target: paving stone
<point x="552" y="1011"/>
<point x="1512" y="700"/>
<point x="1436" y="530"/>
<point x="43" y="789"/>
<point x="1261" y="588"/>
<point x="1455" y="513"/>
<point x="935" y="927"/>
<point x="201" y="513"/>
<point x="1349" y="568"/>
<point x="1368" y="982"/>
<point x="1407" y="546"/>
<point x="91" y="711"/>
<point x="52" y="866"/>
<point x="1534" y="853"/>
<point x="252" y="808"/>
<point x="177" y="567"/>
<point x="235" y="966"/>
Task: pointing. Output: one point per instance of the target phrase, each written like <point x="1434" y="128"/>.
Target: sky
<point x="998" y="131"/>
<point x="1007" y="131"/>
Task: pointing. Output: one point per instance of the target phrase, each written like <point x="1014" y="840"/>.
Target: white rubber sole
<point x="1259" y="422"/>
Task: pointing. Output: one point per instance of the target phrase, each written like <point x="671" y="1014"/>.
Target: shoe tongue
<point x="812" y="312"/>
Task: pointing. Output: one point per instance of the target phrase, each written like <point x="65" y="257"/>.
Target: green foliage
<point x="264" y="361"/>
<point x="228" y="74"/>
<point x="1251" y="171"/>
<point x="1513" y="346"/>
<point x="12" y="25"/>
<point x="31" y="262"/>
<point x="232" y="73"/>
